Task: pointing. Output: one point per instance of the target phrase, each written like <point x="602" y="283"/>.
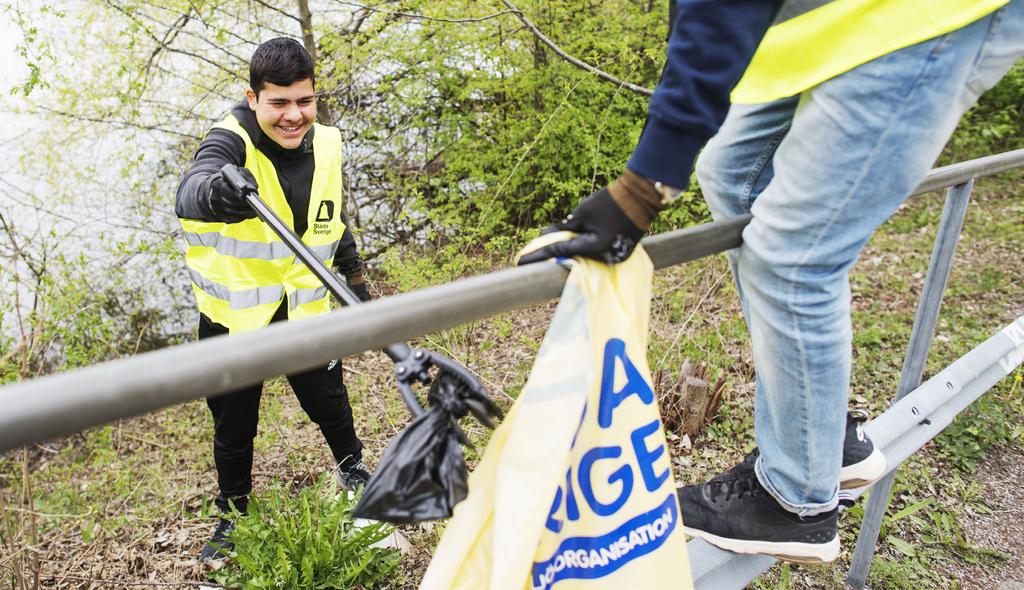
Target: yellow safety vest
<point x="242" y="271"/>
<point x="823" y="42"/>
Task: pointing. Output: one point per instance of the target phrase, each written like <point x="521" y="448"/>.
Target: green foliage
<point x="994" y="124"/>
<point x="76" y="319"/>
<point x="485" y="131"/>
<point x="463" y="131"/>
<point x="306" y="540"/>
<point x="922" y="529"/>
<point x="990" y="422"/>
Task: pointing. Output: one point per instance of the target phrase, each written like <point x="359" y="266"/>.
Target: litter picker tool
<point x="412" y="365"/>
<point x="422" y="474"/>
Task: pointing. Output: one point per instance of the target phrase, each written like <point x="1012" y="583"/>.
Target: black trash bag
<point x="422" y="474"/>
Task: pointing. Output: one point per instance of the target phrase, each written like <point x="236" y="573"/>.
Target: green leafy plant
<point x="306" y="540"/>
<point x="968" y="439"/>
<point x="994" y="124"/>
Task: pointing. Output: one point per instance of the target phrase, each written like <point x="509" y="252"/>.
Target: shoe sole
<point x="863" y="473"/>
<point x="802" y="553"/>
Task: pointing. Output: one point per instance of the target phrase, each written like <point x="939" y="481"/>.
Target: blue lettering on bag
<point x="588" y="558"/>
<point x="623" y="474"/>
<point x="615" y="350"/>
<point x="572" y="511"/>
<point x="646" y="457"/>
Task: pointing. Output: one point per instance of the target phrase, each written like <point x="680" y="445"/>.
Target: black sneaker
<point x="219" y="546"/>
<point x="733" y="511"/>
<point x="352" y="477"/>
<point x="863" y="463"/>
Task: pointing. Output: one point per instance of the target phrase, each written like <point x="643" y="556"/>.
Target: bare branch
<point x="169" y="37"/>
<point x="194" y="15"/>
<point x="116" y="123"/>
<point x="279" y="11"/>
<point x="228" y="32"/>
<point x="306" y="23"/>
<point x="37" y="271"/>
<point x="424" y="17"/>
<point x="578" y="63"/>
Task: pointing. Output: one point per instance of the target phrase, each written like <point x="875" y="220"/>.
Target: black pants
<point x="323" y="397"/>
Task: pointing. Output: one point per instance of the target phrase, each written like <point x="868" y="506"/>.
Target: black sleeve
<point x="711" y="45"/>
<point x="218" y="148"/>
<point x="346" y="260"/>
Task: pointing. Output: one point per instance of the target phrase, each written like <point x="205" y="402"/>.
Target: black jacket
<point x="294" y="171"/>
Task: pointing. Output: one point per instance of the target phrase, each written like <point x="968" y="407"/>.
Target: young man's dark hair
<point x="280" y="61"/>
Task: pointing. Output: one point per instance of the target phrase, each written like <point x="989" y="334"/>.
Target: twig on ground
<point x="134" y="583"/>
<point x="144" y="440"/>
<point x="682" y="329"/>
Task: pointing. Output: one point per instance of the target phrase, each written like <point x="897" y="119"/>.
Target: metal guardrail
<point x="69" y="402"/>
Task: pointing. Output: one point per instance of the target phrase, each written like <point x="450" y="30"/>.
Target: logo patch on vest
<point x="324" y="215"/>
<point x="326" y="211"/>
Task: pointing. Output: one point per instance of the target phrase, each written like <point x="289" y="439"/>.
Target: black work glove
<point x="226" y="203"/>
<point x="361" y="291"/>
<point x="605" y="232"/>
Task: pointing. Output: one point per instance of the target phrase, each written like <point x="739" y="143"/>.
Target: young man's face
<point x="285" y="113"/>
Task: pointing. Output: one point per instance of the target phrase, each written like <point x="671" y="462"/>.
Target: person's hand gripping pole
<point x="609" y="223"/>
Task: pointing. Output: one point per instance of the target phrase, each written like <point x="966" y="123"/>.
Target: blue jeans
<point x="820" y="172"/>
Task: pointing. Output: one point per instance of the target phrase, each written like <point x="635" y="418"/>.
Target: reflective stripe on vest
<point x="239" y="299"/>
<point x="304" y="296"/>
<point x="245" y="249"/>
<point x="242" y="271"/>
<point x="812" y="42"/>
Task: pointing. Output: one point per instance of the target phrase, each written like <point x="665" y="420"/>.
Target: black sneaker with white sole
<point x="733" y="511"/>
<point x="352" y="477"/>
<point x="218" y="546"/>
<point x="863" y="463"/>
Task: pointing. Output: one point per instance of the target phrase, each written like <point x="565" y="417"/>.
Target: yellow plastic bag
<point x="575" y="489"/>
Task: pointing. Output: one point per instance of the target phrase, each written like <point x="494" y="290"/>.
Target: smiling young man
<point x="243" y="275"/>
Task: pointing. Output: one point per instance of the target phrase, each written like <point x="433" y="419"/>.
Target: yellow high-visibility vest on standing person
<point x="815" y="40"/>
<point x="242" y="271"/>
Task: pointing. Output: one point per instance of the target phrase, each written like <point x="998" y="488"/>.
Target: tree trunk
<point x="325" y="114"/>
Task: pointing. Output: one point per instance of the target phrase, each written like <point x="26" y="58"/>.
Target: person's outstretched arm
<point x="711" y="45"/>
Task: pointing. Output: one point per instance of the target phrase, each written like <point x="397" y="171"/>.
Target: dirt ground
<point x="1003" y="529"/>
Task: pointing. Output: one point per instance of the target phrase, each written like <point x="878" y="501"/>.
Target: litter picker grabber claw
<point x="411" y="365"/>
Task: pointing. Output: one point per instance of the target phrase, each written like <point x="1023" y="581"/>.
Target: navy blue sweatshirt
<point x="711" y="45"/>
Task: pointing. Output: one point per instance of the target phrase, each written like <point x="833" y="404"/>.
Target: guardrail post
<point x="950" y="225"/>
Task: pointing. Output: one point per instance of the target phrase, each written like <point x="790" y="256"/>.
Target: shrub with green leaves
<point x="994" y="124"/>
<point x="306" y="540"/>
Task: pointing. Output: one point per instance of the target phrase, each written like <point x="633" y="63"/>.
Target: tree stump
<point x="691" y="402"/>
